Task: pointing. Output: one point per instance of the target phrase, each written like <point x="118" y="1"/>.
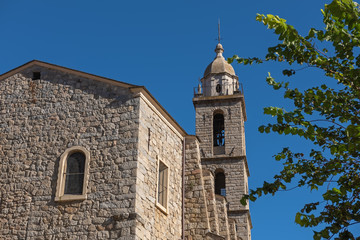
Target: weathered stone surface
<point x="41" y="118"/>
<point x="196" y="213"/>
<point x="127" y="133"/>
<point x="219" y="93"/>
<point x="158" y="142"/>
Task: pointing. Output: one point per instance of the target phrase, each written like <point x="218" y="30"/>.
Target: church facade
<point x="87" y="157"/>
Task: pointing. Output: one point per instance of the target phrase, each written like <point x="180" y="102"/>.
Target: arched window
<point x="220" y="187"/>
<point x="73" y="174"/>
<point x="218" y="88"/>
<point x="219" y="130"/>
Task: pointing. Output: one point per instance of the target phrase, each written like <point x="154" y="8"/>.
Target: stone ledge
<point x="68" y="198"/>
<point x="213" y="235"/>
<point x="216" y="98"/>
<point x="224" y="157"/>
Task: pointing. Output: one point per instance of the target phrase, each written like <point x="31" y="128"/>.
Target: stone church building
<point x="87" y="157"/>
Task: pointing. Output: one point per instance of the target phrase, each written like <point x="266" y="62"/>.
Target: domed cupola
<point x="219" y="77"/>
<point x="219" y="65"/>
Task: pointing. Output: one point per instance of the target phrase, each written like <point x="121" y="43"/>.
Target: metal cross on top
<point x="219" y="38"/>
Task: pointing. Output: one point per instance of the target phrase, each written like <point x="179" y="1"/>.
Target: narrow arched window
<point x="219" y="130"/>
<point x="74" y="176"/>
<point x="220" y="183"/>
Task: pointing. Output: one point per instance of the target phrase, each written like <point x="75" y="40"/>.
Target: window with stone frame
<point x="219" y="130"/>
<point x="73" y="174"/>
<point x="162" y="186"/>
<point x="220" y="185"/>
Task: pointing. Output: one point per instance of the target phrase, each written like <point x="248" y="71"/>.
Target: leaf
<point x="243" y="201"/>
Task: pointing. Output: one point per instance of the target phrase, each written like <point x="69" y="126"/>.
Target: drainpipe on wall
<point x="183" y="193"/>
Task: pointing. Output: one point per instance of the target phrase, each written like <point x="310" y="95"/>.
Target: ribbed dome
<point x="219" y="65"/>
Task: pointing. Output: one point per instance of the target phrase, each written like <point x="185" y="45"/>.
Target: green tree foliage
<point x="329" y="117"/>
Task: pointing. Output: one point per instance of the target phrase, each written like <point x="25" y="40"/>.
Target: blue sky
<point x="166" y="46"/>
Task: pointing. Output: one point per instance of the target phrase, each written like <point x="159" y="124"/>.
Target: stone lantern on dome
<point x="219" y="77"/>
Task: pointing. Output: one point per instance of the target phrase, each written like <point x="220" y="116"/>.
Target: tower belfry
<point x="220" y="115"/>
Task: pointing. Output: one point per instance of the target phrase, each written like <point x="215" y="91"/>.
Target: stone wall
<point x="205" y="213"/>
<point x="232" y="226"/>
<point x="211" y="201"/>
<point x="230" y="159"/>
<point x="243" y="223"/>
<point x="197" y="223"/>
<point x="157" y="141"/>
<point x="126" y="136"/>
<point x="236" y="185"/>
<point x="233" y="120"/>
<point x="223" y="219"/>
<point x="40" y="119"/>
<point x="235" y="173"/>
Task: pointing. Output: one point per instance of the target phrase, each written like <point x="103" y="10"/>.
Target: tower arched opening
<point x="220" y="182"/>
<point x="219" y="130"/>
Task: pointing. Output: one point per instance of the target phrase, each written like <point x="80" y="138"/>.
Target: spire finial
<point x="219" y="38"/>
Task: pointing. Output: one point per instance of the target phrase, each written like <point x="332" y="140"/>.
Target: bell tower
<point x="220" y="115"/>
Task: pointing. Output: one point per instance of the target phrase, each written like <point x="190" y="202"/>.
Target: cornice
<point x="143" y="93"/>
<point x="64" y="69"/>
<point x="231" y="158"/>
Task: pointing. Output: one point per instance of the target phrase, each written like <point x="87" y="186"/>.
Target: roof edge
<point x="65" y="69"/>
<point x="219" y="73"/>
<point x="160" y="108"/>
<point x="133" y="88"/>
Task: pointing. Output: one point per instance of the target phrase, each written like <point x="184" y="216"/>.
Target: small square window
<point x="36" y="75"/>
